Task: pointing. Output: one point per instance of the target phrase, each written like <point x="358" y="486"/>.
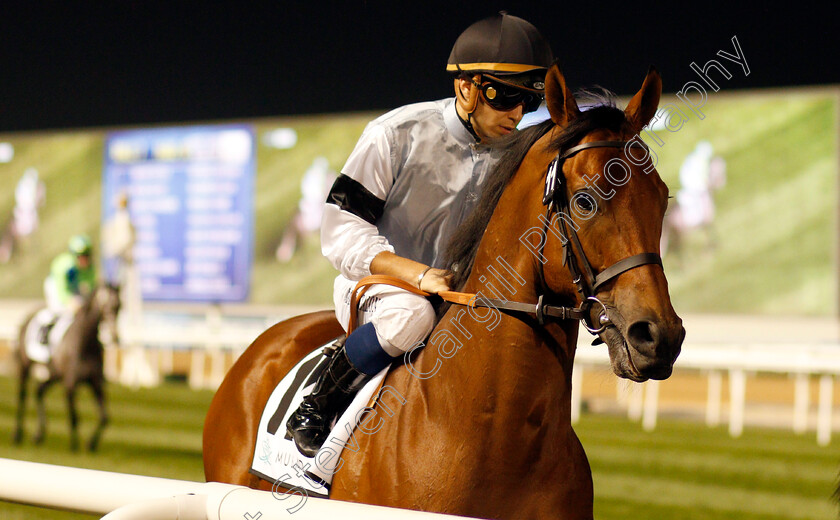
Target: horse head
<point x="609" y="202"/>
<point x="105" y="300"/>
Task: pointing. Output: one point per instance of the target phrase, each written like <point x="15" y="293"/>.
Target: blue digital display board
<point x="190" y="193"/>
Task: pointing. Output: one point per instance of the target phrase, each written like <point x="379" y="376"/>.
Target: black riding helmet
<point x="505" y="49"/>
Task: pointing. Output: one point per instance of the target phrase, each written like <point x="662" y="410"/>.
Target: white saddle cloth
<point x="41" y="352"/>
<point x="277" y="460"/>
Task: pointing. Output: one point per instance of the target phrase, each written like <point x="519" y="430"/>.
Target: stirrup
<point x="330" y="350"/>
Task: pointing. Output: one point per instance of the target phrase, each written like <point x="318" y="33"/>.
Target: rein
<point x="587" y="282"/>
<point x="540" y="309"/>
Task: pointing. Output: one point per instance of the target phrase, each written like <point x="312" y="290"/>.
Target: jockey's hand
<point x="436" y="280"/>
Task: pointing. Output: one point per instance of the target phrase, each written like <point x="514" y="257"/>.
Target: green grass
<point x="681" y="470"/>
<point x="687" y="471"/>
<point x="775" y="226"/>
<point x="155" y="432"/>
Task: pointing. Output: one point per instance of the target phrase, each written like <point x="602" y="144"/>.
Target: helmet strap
<point x="468" y="125"/>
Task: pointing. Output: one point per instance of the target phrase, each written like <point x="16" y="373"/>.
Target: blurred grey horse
<point x="77" y="358"/>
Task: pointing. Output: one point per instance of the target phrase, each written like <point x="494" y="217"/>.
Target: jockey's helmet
<point x="80" y="245"/>
<point x="510" y="56"/>
<point x="502" y="45"/>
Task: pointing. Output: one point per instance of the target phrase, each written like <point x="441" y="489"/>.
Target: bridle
<point x="586" y="280"/>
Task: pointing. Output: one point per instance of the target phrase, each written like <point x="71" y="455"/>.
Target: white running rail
<point x="121" y="496"/>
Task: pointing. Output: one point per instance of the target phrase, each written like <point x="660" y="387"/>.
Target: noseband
<point x="587" y="282"/>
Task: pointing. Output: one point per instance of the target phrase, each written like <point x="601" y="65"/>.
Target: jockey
<point x="72" y="278"/>
<point x="413" y="177"/>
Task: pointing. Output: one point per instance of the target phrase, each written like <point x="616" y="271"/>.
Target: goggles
<point x="501" y="96"/>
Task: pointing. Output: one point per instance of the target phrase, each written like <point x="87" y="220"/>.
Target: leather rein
<point x="586" y="281"/>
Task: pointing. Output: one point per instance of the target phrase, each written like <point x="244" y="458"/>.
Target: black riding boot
<point x="333" y="392"/>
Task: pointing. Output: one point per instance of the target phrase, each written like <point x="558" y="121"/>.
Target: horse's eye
<point x="584" y="204"/>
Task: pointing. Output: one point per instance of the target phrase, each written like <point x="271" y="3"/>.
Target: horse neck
<point x="509" y="264"/>
<point x="91" y="311"/>
<point x="515" y="373"/>
<point x="86" y="324"/>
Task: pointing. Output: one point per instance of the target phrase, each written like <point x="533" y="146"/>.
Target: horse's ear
<point x="641" y="109"/>
<point x="558" y="98"/>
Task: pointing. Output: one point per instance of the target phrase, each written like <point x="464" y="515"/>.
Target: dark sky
<point x="123" y="63"/>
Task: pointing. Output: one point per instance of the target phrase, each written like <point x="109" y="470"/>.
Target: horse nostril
<point x="643" y="335"/>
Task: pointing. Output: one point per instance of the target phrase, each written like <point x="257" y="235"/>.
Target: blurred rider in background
<point x="30" y="194"/>
<point x="314" y="188"/>
<point x="72" y="278"/>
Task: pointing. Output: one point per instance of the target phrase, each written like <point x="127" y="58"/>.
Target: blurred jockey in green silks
<point x="72" y="278"/>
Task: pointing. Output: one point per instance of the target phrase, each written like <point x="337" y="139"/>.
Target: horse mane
<point x="90" y="314"/>
<point x="463" y="245"/>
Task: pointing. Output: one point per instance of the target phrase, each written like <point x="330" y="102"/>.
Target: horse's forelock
<point x="599" y="112"/>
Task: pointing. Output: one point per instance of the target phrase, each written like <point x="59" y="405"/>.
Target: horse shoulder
<point x="234" y="413"/>
<point x="273" y="353"/>
<point x="372" y="473"/>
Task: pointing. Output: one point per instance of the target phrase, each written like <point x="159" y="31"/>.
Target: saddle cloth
<point x="40" y="352"/>
<point x="277" y="460"/>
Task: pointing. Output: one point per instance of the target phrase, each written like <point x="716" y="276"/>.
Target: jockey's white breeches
<point x="401" y="319"/>
<point x="54" y="302"/>
<point x="51" y="295"/>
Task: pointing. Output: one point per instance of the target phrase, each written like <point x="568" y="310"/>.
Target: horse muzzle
<point x="642" y="348"/>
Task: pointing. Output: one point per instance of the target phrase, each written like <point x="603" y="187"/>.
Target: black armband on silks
<point x="349" y="194"/>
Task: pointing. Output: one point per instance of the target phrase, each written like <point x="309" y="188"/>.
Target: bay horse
<point x="78" y="358"/>
<point x="484" y="428"/>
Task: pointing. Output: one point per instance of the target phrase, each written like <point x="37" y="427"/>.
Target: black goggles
<point x="506" y="97"/>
